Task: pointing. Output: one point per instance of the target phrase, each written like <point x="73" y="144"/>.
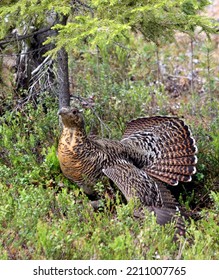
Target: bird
<point x="153" y="151"/>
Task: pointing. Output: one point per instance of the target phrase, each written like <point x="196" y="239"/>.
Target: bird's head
<point x="71" y="117"/>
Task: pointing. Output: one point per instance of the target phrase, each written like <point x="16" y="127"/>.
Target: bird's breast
<point x="79" y="162"/>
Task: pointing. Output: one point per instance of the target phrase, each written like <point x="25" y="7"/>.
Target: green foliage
<point x="51" y="159"/>
<point x="25" y="137"/>
<point x="215" y="198"/>
<point x="103" y="25"/>
<point x="208" y="145"/>
<point x="24" y="14"/>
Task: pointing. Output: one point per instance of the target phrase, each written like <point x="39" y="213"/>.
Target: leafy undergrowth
<point x="44" y="216"/>
<point x="38" y="223"/>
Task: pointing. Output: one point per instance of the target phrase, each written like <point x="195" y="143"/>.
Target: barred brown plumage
<point x="154" y="147"/>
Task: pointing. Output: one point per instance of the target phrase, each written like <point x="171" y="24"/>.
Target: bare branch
<point x="16" y="38"/>
<point x="40" y="66"/>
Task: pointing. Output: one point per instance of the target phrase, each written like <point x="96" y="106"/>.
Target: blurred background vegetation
<point x="118" y="60"/>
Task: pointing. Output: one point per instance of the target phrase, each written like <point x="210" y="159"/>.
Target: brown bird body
<point x="154" y="147"/>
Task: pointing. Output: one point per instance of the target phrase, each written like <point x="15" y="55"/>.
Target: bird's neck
<point x="74" y="135"/>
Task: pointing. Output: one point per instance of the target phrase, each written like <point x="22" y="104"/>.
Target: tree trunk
<point x="63" y="74"/>
<point x="63" y="78"/>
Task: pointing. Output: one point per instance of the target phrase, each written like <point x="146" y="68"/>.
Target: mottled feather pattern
<point x="151" y="148"/>
<point x="135" y="184"/>
<point x="170" y="148"/>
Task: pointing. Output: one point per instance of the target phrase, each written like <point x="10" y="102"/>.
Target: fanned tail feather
<point x="169" y="147"/>
<point x="184" y="161"/>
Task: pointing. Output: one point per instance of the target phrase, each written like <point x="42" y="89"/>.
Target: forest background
<point x="117" y="60"/>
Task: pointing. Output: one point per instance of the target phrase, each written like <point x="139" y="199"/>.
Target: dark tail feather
<point x="167" y="215"/>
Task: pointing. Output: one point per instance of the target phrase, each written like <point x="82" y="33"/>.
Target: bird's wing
<point x="168" y="146"/>
<point x="135" y="183"/>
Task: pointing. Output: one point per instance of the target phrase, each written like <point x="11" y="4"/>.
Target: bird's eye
<point x="74" y="112"/>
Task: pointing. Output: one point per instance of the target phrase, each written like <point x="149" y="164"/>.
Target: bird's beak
<point x="63" y="111"/>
